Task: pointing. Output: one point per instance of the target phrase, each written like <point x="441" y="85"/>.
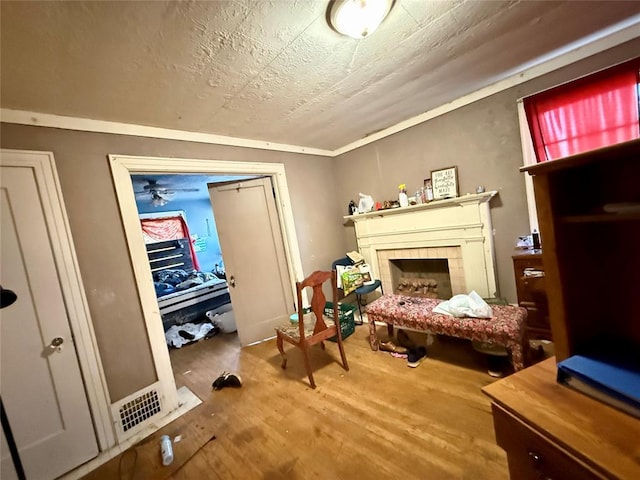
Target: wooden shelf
<point x="585" y="245"/>
<point x="601" y="217"/>
<point x="464" y="199"/>
<point x="583" y="159"/>
<point x="590" y="259"/>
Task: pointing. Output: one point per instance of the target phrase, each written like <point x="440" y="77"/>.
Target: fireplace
<point x="423" y="267"/>
<point x="448" y="239"/>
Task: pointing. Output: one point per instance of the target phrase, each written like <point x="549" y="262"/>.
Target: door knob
<point x="56" y="344"/>
<point x="232" y="281"/>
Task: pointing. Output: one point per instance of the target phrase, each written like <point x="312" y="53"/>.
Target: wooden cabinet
<point x="530" y="287"/>
<point x="589" y="216"/>
<point x="552" y="432"/>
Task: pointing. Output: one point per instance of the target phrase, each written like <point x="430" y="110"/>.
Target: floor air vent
<point x="139" y="409"/>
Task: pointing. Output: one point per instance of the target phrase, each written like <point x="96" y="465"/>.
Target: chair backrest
<point x="315" y="281"/>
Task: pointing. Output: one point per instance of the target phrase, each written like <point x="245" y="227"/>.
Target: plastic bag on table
<point x="471" y="305"/>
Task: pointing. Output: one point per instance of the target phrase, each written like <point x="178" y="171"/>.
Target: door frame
<point x="45" y="174"/>
<point x="122" y="167"/>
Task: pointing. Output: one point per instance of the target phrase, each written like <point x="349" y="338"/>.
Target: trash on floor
<point x="223" y="318"/>
<point x="179" y="335"/>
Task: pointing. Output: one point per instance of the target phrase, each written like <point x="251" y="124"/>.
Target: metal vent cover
<point x="139" y="409"/>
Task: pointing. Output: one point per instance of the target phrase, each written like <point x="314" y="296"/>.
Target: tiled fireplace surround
<point x="458" y="230"/>
<point x="452" y="254"/>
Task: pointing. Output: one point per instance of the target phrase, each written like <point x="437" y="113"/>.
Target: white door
<point x="41" y="386"/>
<point x="254" y="257"/>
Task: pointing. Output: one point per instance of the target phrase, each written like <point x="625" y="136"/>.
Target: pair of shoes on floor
<point x="390" y="347"/>
<point x="227" y="380"/>
<point x="415" y="356"/>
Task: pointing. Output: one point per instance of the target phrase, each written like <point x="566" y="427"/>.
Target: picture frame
<point x="445" y="183"/>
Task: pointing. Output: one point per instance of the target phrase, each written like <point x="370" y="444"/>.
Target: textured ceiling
<point x="273" y="70"/>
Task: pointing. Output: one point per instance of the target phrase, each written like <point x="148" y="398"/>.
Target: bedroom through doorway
<point x="185" y="258"/>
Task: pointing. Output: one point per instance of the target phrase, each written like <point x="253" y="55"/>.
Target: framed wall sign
<point x="445" y="183"/>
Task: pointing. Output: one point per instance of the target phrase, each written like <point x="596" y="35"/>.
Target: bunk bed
<point x="184" y="293"/>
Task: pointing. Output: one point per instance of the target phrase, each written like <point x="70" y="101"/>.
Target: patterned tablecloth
<point x="507" y="327"/>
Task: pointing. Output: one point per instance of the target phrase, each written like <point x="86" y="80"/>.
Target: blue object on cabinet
<point x="609" y="381"/>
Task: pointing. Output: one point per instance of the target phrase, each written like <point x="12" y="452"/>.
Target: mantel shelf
<point x="449" y="202"/>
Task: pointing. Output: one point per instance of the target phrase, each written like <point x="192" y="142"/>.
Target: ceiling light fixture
<point x="157" y="200"/>
<point x="358" y="18"/>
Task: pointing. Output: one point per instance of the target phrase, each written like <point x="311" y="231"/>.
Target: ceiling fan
<point x="160" y="193"/>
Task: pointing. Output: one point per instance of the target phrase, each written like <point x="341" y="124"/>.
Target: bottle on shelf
<point x="403" y="200"/>
<point x="428" y="187"/>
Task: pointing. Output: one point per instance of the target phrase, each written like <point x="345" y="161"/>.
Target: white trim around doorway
<point x="122" y="167"/>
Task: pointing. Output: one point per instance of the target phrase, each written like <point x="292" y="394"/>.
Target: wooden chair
<point x="310" y="331"/>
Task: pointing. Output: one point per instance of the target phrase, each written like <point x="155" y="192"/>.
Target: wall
<point x="99" y="239"/>
<point x="482" y="139"/>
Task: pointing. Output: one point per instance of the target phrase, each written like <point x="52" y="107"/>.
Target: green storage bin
<point x="346" y="314"/>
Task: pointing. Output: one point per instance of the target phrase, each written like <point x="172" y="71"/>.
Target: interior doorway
<point x="188" y="269"/>
<point x="122" y="168"/>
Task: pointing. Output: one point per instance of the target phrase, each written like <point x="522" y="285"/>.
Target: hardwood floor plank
<point x="381" y="419"/>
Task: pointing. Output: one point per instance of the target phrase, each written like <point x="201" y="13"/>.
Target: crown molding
<point x="38" y="119"/>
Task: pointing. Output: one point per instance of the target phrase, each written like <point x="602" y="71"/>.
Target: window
<point x="592" y="112"/>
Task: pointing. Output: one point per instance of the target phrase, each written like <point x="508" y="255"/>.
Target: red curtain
<point x="169" y="228"/>
<point x="160" y="229"/>
<point x="589" y="113"/>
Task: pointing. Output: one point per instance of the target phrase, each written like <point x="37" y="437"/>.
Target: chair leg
<point x="359" y="301"/>
<point x="281" y="348"/>
<point x="307" y="365"/>
<point x="342" y="354"/>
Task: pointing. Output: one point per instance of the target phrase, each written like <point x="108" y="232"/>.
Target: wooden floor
<point x="380" y="420"/>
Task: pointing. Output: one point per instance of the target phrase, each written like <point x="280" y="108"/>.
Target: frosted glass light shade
<point x="158" y="201"/>
<point x="358" y="18"/>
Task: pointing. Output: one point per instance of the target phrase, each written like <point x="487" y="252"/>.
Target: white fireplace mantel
<point x="430" y="231"/>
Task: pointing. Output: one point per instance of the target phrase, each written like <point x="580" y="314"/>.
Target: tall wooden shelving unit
<point x="589" y="216"/>
<point x="590" y="227"/>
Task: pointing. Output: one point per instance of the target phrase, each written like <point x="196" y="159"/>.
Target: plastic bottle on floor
<point x="166" y="449"/>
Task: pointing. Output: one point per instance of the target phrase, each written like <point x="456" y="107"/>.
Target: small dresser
<point x="530" y="287"/>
